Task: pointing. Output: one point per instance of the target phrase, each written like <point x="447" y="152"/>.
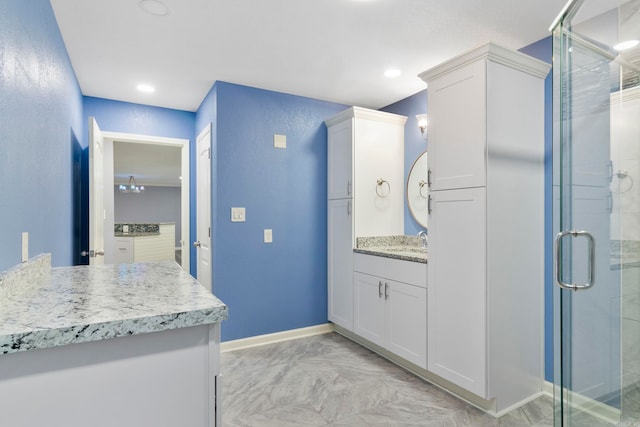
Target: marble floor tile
<point x="328" y="380"/>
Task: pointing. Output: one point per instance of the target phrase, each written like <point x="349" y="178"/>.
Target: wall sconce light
<point x="422" y="124"/>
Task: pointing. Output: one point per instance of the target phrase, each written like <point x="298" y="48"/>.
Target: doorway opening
<point x="132" y="150"/>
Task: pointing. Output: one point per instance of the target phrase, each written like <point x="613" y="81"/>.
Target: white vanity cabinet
<point x="391" y="305"/>
<point x="124" y="250"/>
<point x="340" y="262"/>
<point x="140" y="248"/>
<point x="339" y="163"/>
<point x="365" y="151"/>
<point x="486" y="223"/>
<point x="365" y="192"/>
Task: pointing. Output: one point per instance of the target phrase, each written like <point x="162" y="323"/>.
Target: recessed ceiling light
<point x="626" y="45"/>
<point x="391" y="73"/>
<point x="142" y="87"/>
<point x="154" y="7"/>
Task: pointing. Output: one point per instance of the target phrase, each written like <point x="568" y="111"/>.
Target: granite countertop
<point x="67" y="305"/>
<point x="406" y="248"/>
<point x="137" y="229"/>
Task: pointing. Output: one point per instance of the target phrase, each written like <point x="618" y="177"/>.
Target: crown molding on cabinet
<point x="367" y="114"/>
<point x="492" y="52"/>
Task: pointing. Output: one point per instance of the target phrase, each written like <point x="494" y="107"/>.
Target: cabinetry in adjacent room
<point x="486" y="223"/>
<point x="365" y="192"/>
<point x="391" y="305"/>
<point x="139" y="248"/>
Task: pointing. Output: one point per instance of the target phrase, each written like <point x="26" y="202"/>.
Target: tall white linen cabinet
<point x="365" y="192"/>
<point x="486" y="223"/>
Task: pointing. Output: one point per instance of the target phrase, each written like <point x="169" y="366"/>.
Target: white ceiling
<point x="334" y="50"/>
<point x="151" y="165"/>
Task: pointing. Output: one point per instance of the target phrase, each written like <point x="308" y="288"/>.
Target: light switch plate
<point x="268" y="235"/>
<point x="237" y="215"/>
<point x="25" y="246"/>
<point x="280" y="141"/>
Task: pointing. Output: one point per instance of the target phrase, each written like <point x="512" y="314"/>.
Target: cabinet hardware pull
<point x="386" y="291"/>
<point x="349" y="207"/>
<point x="429" y="178"/>
<point x="429" y="205"/>
<point x="379" y="185"/>
<point x="348" y="188"/>
<point x="379" y="288"/>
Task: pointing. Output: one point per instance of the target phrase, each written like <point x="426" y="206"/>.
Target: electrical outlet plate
<point x="280" y="141"/>
<point x="25" y="246"/>
<point x="237" y="215"/>
<point x="268" y="235"/>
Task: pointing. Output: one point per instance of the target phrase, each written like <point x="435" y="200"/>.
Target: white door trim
<point x="97" y="244"/>
<point x="109" y="138"/>
<point x="204" y="235"/>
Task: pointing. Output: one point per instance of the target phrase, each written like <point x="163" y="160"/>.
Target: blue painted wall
<point x="414" y="144"/>
<point x="543" y="50"/>
<point x="40" y="119"/>
<point x="117" y="116"/>
<point x="282" y="285"/>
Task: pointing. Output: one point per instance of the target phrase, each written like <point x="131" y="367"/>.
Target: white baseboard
<point x="275" y="337"/>
<point x="587" y="405"/>
<point x="547" y="388"/>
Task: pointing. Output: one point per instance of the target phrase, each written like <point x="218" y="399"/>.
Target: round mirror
<point x="417" y="190"/>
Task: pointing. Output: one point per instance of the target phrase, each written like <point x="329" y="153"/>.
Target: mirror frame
<point x="413" y="190"/>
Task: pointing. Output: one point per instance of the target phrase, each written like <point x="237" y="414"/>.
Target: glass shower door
<point x="597" y="214"/>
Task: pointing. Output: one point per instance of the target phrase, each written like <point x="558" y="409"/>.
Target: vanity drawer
<point x="414" y="273"/>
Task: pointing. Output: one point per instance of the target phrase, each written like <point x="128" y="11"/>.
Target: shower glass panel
<point x="596" y="187"/>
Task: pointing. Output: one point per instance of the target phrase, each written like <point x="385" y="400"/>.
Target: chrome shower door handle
<point x="591" y="278"/>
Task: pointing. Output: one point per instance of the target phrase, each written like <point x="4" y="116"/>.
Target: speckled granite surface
<point x="406" y="248"/>
<point x="32" y="270"/>
<point x="137" y="229"/>
<point x="88" y="303"/>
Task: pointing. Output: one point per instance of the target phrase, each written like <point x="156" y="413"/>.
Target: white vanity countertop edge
<point x="89" y="303"/>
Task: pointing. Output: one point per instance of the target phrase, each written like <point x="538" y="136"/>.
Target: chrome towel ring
<point x="379" y="188"/>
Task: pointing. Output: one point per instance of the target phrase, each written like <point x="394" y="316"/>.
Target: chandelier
<point x="131" y="187"/>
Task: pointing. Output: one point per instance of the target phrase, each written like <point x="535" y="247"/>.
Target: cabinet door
<point x="379" y="155"/>
<point x="154" y="248"/>
<point x="369" y="316"/>
<point x="124" y="250"/>
<point x="457" y="288"/>
<point x="339" y="158"/>
<point x="340" y="262"/>
<point x="406" y="321"/>
<point x="457" y="128"/>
